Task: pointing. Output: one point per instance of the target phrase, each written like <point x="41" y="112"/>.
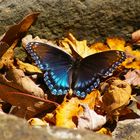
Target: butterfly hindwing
<point x="56" y="64"/>
<point x="95" y="67"/>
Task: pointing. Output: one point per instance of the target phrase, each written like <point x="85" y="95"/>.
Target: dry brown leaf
<point x="136" y="37"/>
<point x="16" y="79"/>
<point x="70" y="109"/>
<point x="3" y="48"/>
<point x="18" y="31"/>
<point x="134" y="106"/>
<point x="28" y="105"/>
<point x="89" y="119"/>
<point x="133" y="77"/>
<point x="29" y="38"/>
<point x="116" y="94"/>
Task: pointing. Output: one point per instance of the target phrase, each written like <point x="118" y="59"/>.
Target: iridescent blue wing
<point x="56" y="64"/>
<point x="95" y="67"/>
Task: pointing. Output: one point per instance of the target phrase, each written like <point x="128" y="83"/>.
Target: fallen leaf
<point x="37" y="122"/>
<point x="29" y="38"/>
<point x="79" y="47"/>
<point x="134" y="106"/>
<point x="99" y="47"/>
<point x="89" y="119"/>
<point x="116" y="94"/>
<point x="133" y="58"/>
<point x="104" y="131"/>
<point x="116" y="43"/>
<point x="66" y="111"/>
<point x="133" y="77"/>
<point x="136" y="37"/>
<point x="50" y="118"/>
<point x="30" y="105"/>
<point x="8" y="57"/>
<point x="18" y="31"/>
<point x="71" y="108"/>
<point x="26" y="67"/>
<point x="16" y="79"/>
<point x="3" y="48"/>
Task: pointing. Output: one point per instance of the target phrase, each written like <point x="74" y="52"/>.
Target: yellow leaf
<point x="116" y="43"/>
<point x="99" y="47"/>
<point x="133" y="58"/>
<point x="71" y="108"/>
<point x="50" y="117"/>
<point x="79" y="46"/>
<point x="28" y="67"/>
<point x="91" y="99"/>
<point x="104" y="131"/>
<point x="37" y="122"/>
<point x="66" y="111"/>
<point x="8" y="57"/>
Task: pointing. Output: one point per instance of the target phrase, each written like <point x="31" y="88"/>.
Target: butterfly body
<point x="63" y="72"/>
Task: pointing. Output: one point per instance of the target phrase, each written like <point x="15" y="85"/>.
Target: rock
<point x="13" y="128"/>
<point x="127" y="129"/>
<point x="86" y="19"/>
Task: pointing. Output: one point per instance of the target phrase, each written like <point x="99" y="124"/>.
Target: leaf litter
<point x="22" y="86"/>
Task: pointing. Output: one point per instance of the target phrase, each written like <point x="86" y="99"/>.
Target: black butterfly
<point x="63" y="72"/>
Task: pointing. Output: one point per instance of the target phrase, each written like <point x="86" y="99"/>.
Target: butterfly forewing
<point x="95" y="67"/>
<point x="56" y="64"/>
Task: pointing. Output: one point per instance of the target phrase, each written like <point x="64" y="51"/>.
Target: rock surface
<point x="13" y="128"/>
<point x="128" y="129"/>
<point x="86" y="19"/>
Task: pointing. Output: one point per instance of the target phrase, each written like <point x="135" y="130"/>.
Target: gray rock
<point x="86" y="19"/>
<point x="13" y="128"/>
<point x="127" y="130"/>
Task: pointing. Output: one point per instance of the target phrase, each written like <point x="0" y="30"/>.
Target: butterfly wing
<point x="56" y="64"/>
<point x="95" y="67"/>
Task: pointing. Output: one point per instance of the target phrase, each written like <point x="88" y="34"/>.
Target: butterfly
<point x="63" y="72"/>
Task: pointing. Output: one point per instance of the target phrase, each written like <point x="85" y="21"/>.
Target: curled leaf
<point x="16" y="79"/>
<point x="133" y="77"/>
<point x="18" y="31"/>
<point x="29" y="38"/>
<point x="136" y="37"/>
<point x="89" y="119"/>
<point x="28" y="105"/>
<point x="37" y="122"/>
<point x="116" y="94"/>
<point x="78" y="46"/>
